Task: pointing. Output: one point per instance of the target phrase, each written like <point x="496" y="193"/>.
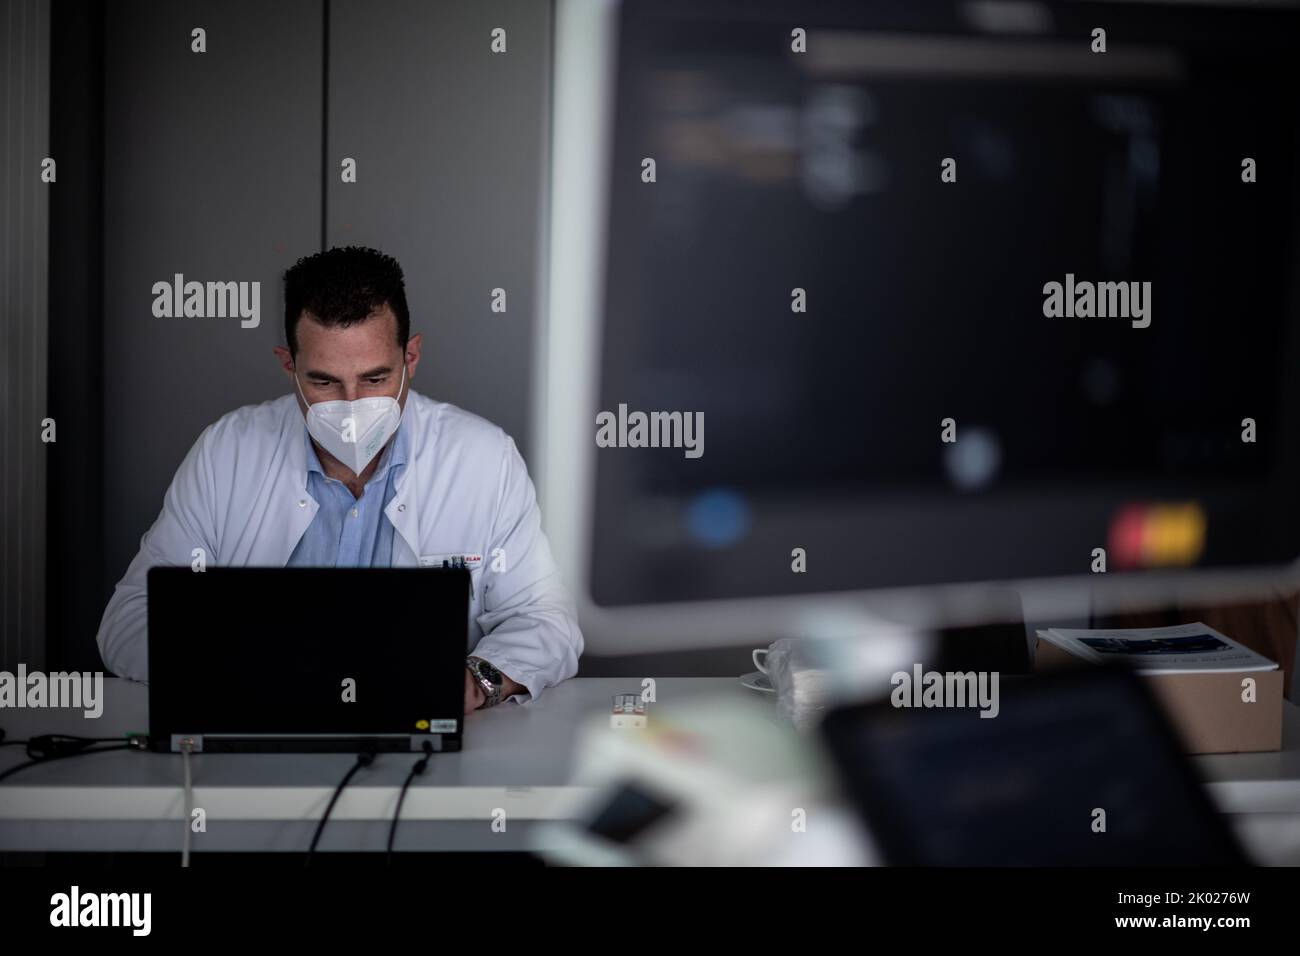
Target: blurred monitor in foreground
<point x="1078" y="769"/>
<point x="925" y="375"/>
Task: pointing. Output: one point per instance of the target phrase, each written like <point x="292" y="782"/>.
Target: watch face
<point x="489" y="673"/>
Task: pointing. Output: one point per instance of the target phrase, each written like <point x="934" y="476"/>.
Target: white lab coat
<point x="241" y="496"/>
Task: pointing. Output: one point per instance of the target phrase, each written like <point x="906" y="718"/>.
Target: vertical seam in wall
<point x="541" y="317"/>
<point x="40" y="352"/>
<point x="324" y="125"/>
<point x="26" y="465"/>
<point x="19" y="518"/>
<point x="99" y="458"/>
<point x="10" y="189"/>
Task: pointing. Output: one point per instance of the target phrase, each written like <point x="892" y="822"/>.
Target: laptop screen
<point x="306" y="651"/>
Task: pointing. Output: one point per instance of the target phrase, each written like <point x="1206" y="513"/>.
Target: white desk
<point x="515" y="758"/>
<point x="1261" y="793"/>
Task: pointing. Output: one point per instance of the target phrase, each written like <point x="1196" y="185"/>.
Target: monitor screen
<point x="1076" y="770"/>
<point x="943" y="294"/>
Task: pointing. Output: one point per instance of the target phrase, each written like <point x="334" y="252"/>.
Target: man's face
<point x="362" y="360"/>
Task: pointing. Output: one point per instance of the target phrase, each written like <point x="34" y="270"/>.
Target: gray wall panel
<point x="449" y="143"/>
<point x="212" y="169"/>
<point x="24" y="225"/>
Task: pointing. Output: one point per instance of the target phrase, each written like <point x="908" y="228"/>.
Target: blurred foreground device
<point x="1066" y="756"/>
<point x="259" y="659"/>
<point x="814" y="298"/>
<point x="706" y="782"/>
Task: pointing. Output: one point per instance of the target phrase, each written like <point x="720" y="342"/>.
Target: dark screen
<point x="946" y="787"/>
<point x="628" y="813"/>
<point x="267" y="651"/>
<point x="925" y="300"/>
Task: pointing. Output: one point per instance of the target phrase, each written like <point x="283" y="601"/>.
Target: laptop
<point x="1079" y="768"/>
<point x="307" y="659"/>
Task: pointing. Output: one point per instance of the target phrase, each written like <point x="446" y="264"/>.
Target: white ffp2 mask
<point x="353" y="432"/>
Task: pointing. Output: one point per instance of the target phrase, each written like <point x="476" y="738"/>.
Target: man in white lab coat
<point x="353" y="468"/>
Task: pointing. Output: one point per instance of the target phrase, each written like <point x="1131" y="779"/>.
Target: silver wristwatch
<point x="488" y="679"/>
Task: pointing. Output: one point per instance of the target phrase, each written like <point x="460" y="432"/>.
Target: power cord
<point x="420" y="767"/>
<point x="363" y="760"/>
<point x="187" y="747"/>
<point x="55" y="751"/>
<point x="49" y="744"/>
<point x="44" y="746"/>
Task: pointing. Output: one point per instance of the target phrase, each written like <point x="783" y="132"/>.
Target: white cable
<point x="186" y="747"/>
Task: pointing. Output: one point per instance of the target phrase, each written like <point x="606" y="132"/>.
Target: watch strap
<point x="491" y="690"/>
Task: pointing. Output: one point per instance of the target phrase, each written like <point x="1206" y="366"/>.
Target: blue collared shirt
<point x="351" y="532"/>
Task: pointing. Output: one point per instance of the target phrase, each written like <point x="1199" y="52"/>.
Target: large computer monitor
<point x="843" y="258"/>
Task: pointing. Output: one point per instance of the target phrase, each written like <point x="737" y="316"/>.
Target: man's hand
<point x="474" y="695"/>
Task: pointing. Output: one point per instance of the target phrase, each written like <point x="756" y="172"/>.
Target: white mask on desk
<point x="354" y="432"/>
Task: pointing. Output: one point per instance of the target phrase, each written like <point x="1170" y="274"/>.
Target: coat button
<point x="401" y="507"/>
<point x="302" y="503"/>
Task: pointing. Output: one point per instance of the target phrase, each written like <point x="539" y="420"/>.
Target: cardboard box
<point x="1205" y="709"/>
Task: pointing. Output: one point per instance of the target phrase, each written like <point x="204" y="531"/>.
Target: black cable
<point x="46" y="746"/>
<point x="63" y="756"/>
<point x="363" y="760"/>
<point x="420" y="767"/>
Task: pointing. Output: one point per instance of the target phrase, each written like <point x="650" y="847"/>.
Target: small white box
<point x="628" y="711"/>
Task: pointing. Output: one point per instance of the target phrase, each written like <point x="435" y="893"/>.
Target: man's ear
<point x="285" y="359"/>
<point x="412" y="355"/>
<point x="287" y="364"/>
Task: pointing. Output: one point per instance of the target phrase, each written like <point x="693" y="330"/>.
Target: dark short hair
<point x="342" y="286"/>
